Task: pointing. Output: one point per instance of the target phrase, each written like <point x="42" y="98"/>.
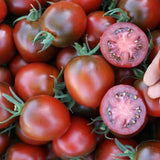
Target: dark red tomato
<point x="5" y="75"/>
<point x="88" y="5"/>
<point x="26" y="139"/>
<point x="108" y="148"/>
<point x="16" y="64"/>
<point x="35" y="79"/>
<point x="123" y="110"/>
<point x="124" y="76"/>
<point x="148" y="150"/>
<point x="66" y="21"/>
<point x="87" y="79"/>
<point x="24" y="42"/>
<point x="22" y="151"/>
<point x="124" y="44"/>
<point x="153" y="105"/>
<point x="44" y="118"/>
<point x="96" y="25"/>
<point x="3" y="9"/>
<point x="22" y="7"/>
<point x="4" y="114"/>
<point x="7" y="47"/>
<point x="156" y="41"/>
<point x="64" y="55"/>
<point x="142" y="12"/>
<point x="4" y="142"/>
<point x="79" y="140"/>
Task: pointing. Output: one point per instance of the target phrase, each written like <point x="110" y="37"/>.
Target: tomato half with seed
<point x="124" y="44"/>
<point x="3" y="9"/>
<point x="123" y="110"/>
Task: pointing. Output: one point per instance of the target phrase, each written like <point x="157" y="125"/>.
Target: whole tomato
<point x="5" y="75"/>
<point x="88" y="78"/>
<point x="3" y="9"/>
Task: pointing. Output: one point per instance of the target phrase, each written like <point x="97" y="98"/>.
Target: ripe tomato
<point x="66" y="21"/>
<point x="5" y="75"/>
<point x="35" y="79"/>
<point x="153" y="105"/>
<point x="44" y="118"/>
<point x="123" y="110"/>
<point x="142" y="12"/>
<point x="124" y="44"/>
<point x="79" y="140"/>
<point x="87" y="79"/>
<point x="22" y="7"/>
<point x="4" y="142"/>
<point x="96" y="25"/>
<point x="19" y="151"/>
<point x="3" y="9"/>
<point x="24" y="44"/>
<point x="7" y="45"/>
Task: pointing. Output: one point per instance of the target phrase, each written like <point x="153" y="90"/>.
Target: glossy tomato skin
<point x="44" y="118"/>
<point x="79" y="140"/>
<point x="5" y="75"/>
<point x="88" y="5"/>
<point x="142" y="12"/>
<point x="96" y="25"/>
<point x="108" y="148"/>
<point x="22" y="7"/>
<point x="88" y="78"/>
<point x="4" y="142"/>
<point x="153" y="106"/>
<point x="24" y="42"/>
<point x="66" y="21"/>
<point x="19" y="151"/>
<point x="3" y="9"/>
<point x="7" y="47"/>
<point x="148" y="150"/>
<point x="35" y="79"/>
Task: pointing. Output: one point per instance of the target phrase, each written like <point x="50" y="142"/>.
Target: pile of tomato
<point x="71" y="79"/>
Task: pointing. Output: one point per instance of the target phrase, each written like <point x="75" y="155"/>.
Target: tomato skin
<point x="87" y="79"/>
<point x="148" y="150"/>
<point x="22" y="7"/>
<point x="7" y="46"/>
<point x="107" y="148"/>
<point x="42" y="118"/>
<point x="4" y="142"/>
<point x="88" y="5"/>
<point x="142" y="12"/>
<point x="29" y="80"/>
<point x="79" y="140"/>
<point x="96" y="25"/>
<point x="3" y="9"/>
<point x="153" y="106"/>
<point x="24" y="42"/>
<point x="5" y="75"/>
<point x="19" y="151"/>
<point x="159" y="65"/>
<point x="60" y="19"/>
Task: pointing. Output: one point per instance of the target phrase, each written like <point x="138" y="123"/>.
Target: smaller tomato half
<point x="124" y="44"/>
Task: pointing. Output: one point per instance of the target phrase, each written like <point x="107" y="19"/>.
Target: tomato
<point x="64" y="55"/>
<point x="4" y="142"/>
<point x="96" y="25"/>
<point x="79" y="140"/>
<point x="3" y="9"/>
<point x="22" y="7"/>
<point x="4" y="114"/>
<point x="153" y="105"/>
<point x="60" y="20"/>
<point x="123" y="110"/>
<point x="159" y="65"/>
<point x="16" y="64"/>
<point x="7" y="46"/>
<point x="35" y="79"/>
<point x="108" y="148"/>
<point x="87" y="79"/>
<point x="19" y="151"/>
<point x="88" y="5"/>
<point x="44" y="118"/>
<point x="5" y="75"/>
<point x="142" y="12"/>
<point x="124" y="44"/>
<point x="24" y="44"/>
<point x="148" y="150"/>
